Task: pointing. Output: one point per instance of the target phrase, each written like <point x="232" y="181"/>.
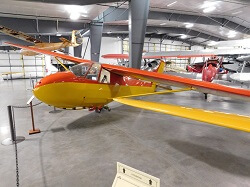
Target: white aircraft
<point x="244" y="75"/>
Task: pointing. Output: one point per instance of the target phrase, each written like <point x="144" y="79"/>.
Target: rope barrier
<point x="28" y="106"/>
<point x="15" y="146"/>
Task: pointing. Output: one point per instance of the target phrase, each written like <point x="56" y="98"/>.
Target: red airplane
<point x="92" y="85"/>
<point x="209" y="69"/>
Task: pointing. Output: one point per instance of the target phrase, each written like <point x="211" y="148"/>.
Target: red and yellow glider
<point x="93" y="85"/>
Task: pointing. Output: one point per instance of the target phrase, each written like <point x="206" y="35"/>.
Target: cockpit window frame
<point x="88" y="70"/>
<point x="97" y="75"/>
<point x="90" y="65"/>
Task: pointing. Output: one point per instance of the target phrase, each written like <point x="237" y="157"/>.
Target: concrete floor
<point x="81" y="148"/>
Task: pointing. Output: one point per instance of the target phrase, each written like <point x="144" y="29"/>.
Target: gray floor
<point x="81" y="148"/>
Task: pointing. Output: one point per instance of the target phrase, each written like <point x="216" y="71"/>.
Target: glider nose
<point x="209" y="73"/>
<point x="55" y="78"/>
<point x="50" y="89"/>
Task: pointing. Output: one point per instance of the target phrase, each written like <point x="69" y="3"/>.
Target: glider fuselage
<point x="66" y="90"/>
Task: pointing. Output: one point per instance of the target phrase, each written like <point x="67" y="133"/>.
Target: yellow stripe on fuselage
<point x="70" y="94"/>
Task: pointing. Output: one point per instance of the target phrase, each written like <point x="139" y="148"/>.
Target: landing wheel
<point x="205" y="95"/>
<point x="107" y="108"/>
<point x="98" y="110"/>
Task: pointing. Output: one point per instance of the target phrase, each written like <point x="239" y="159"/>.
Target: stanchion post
<point x="32" y="116"/>
<point x="32" y="83"/>
<point x="33" y="130"/>
<point x="30" y="80"/>
<point x="14" y="138"/>
<point x="12" y="133"/>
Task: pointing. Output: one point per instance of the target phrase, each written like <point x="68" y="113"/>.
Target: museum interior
<point x="124" y="93"/>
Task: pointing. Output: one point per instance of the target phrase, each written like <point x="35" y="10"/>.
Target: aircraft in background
<point x="232" y="70"/>
<point x="93" y="85"/>
<point x="210" y="73"/>
<point x="76" y="40"/>
<point x="200" y="53"/>
<point x="208" y="69"/>
<point x="242" y="74"/>
<point x="211" y="69"/>
<point x="146" y="64"/>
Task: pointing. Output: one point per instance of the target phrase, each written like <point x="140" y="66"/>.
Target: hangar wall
<point x="14" y="65"/>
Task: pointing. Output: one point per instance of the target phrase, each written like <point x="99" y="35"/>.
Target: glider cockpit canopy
<point x="87" y="70"/>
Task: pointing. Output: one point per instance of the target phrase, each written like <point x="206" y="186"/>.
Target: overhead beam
<point x="163" y="30"/>
<point x="185" y="31"/>
<point x="48" y="27"/>
<point x="47" y="31"/>
<point x="73" y="2"/>
<point x="115" y="14"/>
<point x="158" y="36"/>
<point x="167" y="37"/>
<point x="216" y="21"/>
<point x="165" y="16"/>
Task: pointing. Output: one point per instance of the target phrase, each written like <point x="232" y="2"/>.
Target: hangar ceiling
<point x="180" y="20"/>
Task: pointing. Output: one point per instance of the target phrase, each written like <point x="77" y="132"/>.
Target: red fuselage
<point x="209" y="72"/>
<point x="209" y="69"/>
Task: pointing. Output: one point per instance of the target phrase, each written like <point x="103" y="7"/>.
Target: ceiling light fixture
<point x="183" y="36"/>
<point x="209" y="9"/>
<point x="209" y="6"/>
<point x="188" y="25"/>
<point x="231" y="34"/>
<point x="163" y="24"/>
<point x="74" y="15"/>
<point x="76" y="11"/>
<point x="212" y="43"/>
<point x="171" y="4"/>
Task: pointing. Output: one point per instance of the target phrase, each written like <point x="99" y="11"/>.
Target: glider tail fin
<point x="160" y="69"/>
<point x="76" y="38"/>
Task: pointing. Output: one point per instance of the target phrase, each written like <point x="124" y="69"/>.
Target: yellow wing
<point x="233" y="121"/>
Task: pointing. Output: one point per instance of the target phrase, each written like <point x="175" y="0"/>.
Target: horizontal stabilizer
<point x="233" y="121"/>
